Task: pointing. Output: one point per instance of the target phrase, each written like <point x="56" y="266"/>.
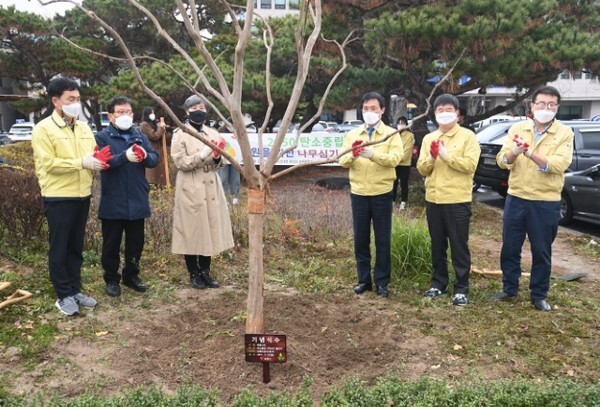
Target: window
<point x="587" y="75"/>
<point x="569" y="112"/>
<point x="280" y="4"/>
<point x="564" y="75"/>
<point x="265" y="3"/>
<point x="591" y="139"/>
<point x="577" y="75"/>
<point x="294" y="4"/>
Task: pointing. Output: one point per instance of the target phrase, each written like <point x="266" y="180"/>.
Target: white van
<point x="495" y="119"/>
<point x="20" y="132"/>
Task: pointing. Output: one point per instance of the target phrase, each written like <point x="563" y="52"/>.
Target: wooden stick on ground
<point x="493" y="273"/>
<point x="15" y="297"/>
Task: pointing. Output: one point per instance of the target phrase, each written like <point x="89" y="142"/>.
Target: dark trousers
<point x="112" y="234"/>
<point x="66" y="231"/>
<point x="196" y="263"/>
<point x="402" y="174"/>
<point x="376" y="209"/>
<point x="449" y="223"/>
<point x="539" y="221"/>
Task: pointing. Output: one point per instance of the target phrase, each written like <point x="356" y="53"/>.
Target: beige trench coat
<point x="201" y="223"/>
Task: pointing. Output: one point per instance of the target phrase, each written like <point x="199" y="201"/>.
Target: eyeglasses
<point x="544" y="105"/>
<point x="123" y="112"/>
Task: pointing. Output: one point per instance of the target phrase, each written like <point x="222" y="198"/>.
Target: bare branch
<point x="304" y="53"/>
<point x="371" y="143"/>
<point x="342" y="68"/>
<point x="197" y="40"/>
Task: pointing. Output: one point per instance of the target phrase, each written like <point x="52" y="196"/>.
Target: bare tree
<point x="229" y="95"/>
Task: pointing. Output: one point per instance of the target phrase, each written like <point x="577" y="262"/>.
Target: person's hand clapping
<point x="221" y="143"/>
<point x="366" y="152"/>
<point x="92" y="163"/>
<point x="520" y="146"/>
<point x="434" y="149"/>
<point x="356" y="151"/>
<point x="140" y="153"/>
<point x="442" y="150"/>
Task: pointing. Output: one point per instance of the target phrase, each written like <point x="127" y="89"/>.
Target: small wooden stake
<point x="266" y="372"/>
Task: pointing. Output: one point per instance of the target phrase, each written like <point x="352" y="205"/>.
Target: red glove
<point x="356" y="151"/>
<point x="520" y="146"/>
<point x="434" y="148"/>
<point x="221" y="143"/>
<point x="103" y="155"/>
<point x="521" y="143"/>
<point x="139" y="152"/>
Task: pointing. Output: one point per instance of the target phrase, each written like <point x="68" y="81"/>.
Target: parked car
<point x="580" y="196"/>
<point x="348" y="125"/>
<point x="325" y="126"/>
<point x="4" y="139"/>
<point x="20" y="132"/>
<point x="291" y="128"/>
<point x="586" y="151"/>
<point x="494" y="119"/>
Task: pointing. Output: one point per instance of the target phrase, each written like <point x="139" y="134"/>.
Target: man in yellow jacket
<point x="536" y="152"/>
<point x="372" y="173"/>
<point x="447" y="160"/>
<point x="63" y="150"/>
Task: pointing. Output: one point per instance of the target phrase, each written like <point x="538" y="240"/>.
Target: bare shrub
<point x="312" y="213"/>
<point x="21" y="208"/>
<point x="159" y="227"/>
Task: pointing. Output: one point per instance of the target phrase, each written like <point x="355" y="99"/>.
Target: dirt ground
<point x="198" y="339"/>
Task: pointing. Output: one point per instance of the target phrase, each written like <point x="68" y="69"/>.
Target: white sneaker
<point x="67" y="306"/>
<point x="234" y="201"/>
<point x="402" y="205"/>
<point x="85" y="301"/>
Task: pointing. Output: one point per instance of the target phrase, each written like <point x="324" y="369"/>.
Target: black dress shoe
<point x="113" y="289"/>
<point x="361" y="288"/>
<point x="135" y="284"/>
<point x="382" y="291"/>
<point x="541" y="305"/>
<point x="503" y="297"/>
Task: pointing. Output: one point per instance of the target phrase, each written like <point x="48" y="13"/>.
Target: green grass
<point x="388" y="391"/>
<point x="311" y="252"/>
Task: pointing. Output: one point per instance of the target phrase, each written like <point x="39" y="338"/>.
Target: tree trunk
<point x="256" y="209"/>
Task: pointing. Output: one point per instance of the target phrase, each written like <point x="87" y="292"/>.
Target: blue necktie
<point x="370" y="131"/>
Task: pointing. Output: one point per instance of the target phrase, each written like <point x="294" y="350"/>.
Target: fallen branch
<point x="17" y="296"/>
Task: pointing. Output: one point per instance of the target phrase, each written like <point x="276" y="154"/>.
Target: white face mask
<point x="124" y="122"/>
<point x="544" y="116"/>
<point x="445" y="118"/>
<point x="371" y="118"/>
<point x="72" y="110"/>
<point x="151" y="116"/>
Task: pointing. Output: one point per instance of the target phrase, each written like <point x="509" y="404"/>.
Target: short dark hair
<point x="545" y="90"/>
<point x="58" y="86"/>
<point x="446" y="99"/>
<point x="117" y="101"/>
<point x="403" y="120"/>
<point x="373" y="95"/>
